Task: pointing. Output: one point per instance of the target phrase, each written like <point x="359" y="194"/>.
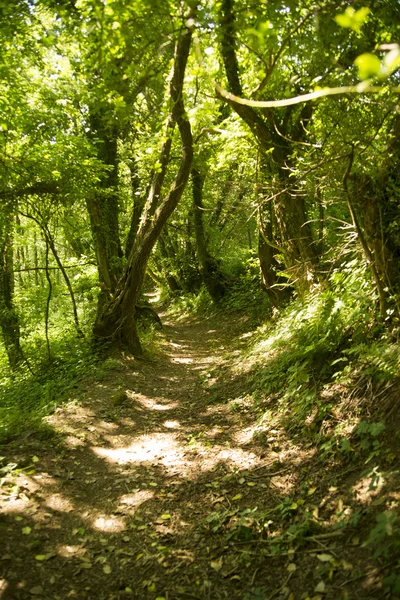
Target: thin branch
<point x="284" y="43"/>
<point x="361" y="88"/>
<point x="47" y="311"/>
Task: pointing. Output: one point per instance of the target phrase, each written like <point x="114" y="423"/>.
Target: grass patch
<point x="26" y="398"/>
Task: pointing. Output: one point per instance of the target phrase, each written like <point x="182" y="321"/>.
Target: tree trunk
<point x="167" y="261"/>
<point x="103" y="206"/>
<point x="209" y="269"/>
<point x="117" y="321"/>
<point x="138" y="206"/>
<point x="296" y="235"/>
<point x="8" y="317"/>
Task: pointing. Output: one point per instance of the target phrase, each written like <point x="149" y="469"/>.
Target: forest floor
<point x="156" y="486"/>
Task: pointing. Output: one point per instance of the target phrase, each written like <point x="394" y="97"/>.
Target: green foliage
<point x="326" y="338"/>
<point x="192" y="304"/>
<point x="245" y="293"/>
<point x="353" y="19"/>
<point x="26" y="398"/>
<point x="384" y="538"/>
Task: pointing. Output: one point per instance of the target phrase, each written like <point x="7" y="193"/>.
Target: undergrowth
<point x="330" y="345"/>
<point x="326" y="370"/>
<point x="27" y="397"/>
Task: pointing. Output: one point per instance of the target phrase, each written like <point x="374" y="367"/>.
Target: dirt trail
<point x="148" y="488"/>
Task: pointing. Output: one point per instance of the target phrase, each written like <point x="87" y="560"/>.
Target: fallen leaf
<point x="35" y="459"/>
<point x="251" y="483"/>
<point x="217" y="564"/>
<point x="107" y="569"/>
<point x="26" y="530"/>
<point x="237" y="497"/>
<point x="36" y="591"/>
<point x="320" y="587"/>
<point x="166" y="517"/>
<point x="379" y="501"/>
<point x="219" y="500"/>
<point x="325" y="557"/>
<point x="311" y="491"/>
<point x="291" y="567"/>
<point x="44" y="557"/>
<point x="346" y="565"/>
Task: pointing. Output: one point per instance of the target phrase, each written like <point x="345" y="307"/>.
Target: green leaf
<point x="368" y="65"/>
<point x="44" y="557"/>
<point x="391" y="61"/>
<point x="352" y="19"/>
<point x="325" y="557"/>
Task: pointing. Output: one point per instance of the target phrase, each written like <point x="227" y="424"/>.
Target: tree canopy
<point x="191" y="143"/>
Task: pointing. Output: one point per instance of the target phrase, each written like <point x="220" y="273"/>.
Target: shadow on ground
<point x="154" y="486"/>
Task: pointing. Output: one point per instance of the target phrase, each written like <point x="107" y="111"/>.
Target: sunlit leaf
<point x="320" y="587"/>
<point x="217" y="564"/>
<point x="325" y="557"/>
<point x="368" y="65"/>
<point x="352" y="19"/>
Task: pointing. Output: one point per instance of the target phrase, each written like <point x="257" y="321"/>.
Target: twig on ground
<point x="324" y="536"/>
<point x="254" y="576"/>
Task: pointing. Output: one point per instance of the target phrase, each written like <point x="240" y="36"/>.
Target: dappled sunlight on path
<point x="149" y="487"/>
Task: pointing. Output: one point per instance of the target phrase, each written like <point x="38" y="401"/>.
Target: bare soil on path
<point x="150" y="486"/>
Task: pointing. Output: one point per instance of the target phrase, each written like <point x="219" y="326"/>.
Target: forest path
<point x="148" y="488"/>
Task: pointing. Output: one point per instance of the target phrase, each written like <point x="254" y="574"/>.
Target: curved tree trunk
<point x="117" y="321"/>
